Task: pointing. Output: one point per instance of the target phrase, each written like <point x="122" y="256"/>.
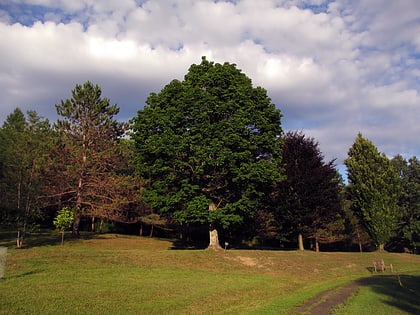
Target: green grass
<point x="392" y="294"/>
<point x="114" y="274"/>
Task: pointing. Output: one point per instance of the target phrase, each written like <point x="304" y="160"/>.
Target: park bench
<point x="379" y="265"/>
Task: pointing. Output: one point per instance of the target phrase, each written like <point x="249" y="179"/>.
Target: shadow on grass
<point x="190" y="245"/>
<point x="199" y="245"/>
<point x="29" y="273"/>
<point x="399" y="291"/>
<point x="41" y="238"/>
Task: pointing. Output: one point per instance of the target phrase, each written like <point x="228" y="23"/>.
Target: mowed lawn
<point x="116" y="274"/>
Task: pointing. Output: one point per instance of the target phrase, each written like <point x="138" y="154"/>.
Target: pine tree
<point x="86" y="157"/>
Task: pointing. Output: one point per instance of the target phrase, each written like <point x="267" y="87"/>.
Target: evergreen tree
<point x="86" y="158"/>
<point x="373" y="190"/>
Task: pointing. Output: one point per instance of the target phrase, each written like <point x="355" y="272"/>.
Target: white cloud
<point x="334" y="68"/>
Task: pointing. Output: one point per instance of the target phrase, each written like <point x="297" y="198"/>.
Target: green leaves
<point x="373" y="189"/>
<point x="409" y="199"/>
<point x="24" y="146"/>
<point x="210" y="138"/>
<point x="64" y="219"/>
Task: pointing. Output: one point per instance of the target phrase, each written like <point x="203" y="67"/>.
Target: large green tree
<point x="409" y="199"/>
<point x="24" y="146"/>
<point x="85" y="162"/>
<point x="308" y="200"/>
<point x="373" y="190"/>
<point x="208" y="147"/>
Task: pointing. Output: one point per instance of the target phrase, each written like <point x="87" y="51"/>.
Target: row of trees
<point x="207" y="151"/>
<point x="82" y="162"/>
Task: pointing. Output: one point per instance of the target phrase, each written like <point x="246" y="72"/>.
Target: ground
<point x="326" y="301"/>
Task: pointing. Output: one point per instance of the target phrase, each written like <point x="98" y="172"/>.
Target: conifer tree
<point x="87" y="156"/>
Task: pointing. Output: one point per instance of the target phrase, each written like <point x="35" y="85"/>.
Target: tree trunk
<point x="19" y="239"/>
<point x="381" y="247"/>
<point x="78" y="210"/>
<point x="214" y="235"/>
<point x="151" y="231"/>
<point x="316" y="244"/>
<point x="62" y="238"/>
<point x="214" y="239"/>
<point x="360" y="241"/>
<point x="76" y="223"/>
<point x="141" y="229"/>
<point x="93" y="224"/>
<point x="300" y="241"/>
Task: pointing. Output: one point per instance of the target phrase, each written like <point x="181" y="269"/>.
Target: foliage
<point x="24" y="146"/>
<point x="64" y="221"/>
<point x="308" y="200"/>
<point x="373" y="189"/>
<point x="409" y="199"/>
<point x="355" y="232"/>
<point x="212" y="139"/>
<point x="89" y="169"/>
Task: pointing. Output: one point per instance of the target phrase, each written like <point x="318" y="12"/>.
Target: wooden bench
<point x="379" y="265"/>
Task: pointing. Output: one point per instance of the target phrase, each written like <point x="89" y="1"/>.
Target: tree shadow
<point x="399" y="291"/>
<point x="40" y="238"/>
<point x="190" y="245"/>
<point x="28" y="273"/>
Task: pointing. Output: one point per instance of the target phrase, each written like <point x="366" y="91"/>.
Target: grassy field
<point x="115" y="274"/>
<point x="386" y="295"/>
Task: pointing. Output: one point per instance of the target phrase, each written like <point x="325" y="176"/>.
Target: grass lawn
<point x="115" y="274"/>
<point x="386" y="295"/>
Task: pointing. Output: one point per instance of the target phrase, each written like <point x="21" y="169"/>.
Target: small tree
<point x="64" y="221"/>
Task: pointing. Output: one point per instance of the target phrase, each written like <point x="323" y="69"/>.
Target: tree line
<point x="205" y="153"/>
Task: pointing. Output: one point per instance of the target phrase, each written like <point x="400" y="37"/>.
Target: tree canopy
<point x="409" y="199"/>
<point x="308" y="200"/>
<point x="207" y="150"/>
<point x="209" y="142"/>
<point x="87" y="154"/>
<point x="24" y="146"/>
<point x="373" y="189"/>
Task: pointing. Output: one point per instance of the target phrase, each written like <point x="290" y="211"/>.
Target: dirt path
<point x="324" y="302"/>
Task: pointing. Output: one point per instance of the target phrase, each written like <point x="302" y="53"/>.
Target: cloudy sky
<point x="334" y="68"/>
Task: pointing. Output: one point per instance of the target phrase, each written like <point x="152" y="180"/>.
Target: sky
<point x="334" y="68"/>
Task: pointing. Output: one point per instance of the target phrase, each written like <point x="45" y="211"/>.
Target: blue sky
<point x="334" y="68"/>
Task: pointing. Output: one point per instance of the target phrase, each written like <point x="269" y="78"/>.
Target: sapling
<point x="64" y="221"/>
